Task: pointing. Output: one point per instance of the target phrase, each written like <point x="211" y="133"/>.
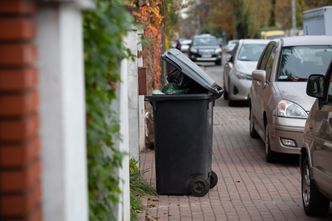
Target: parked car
<point x="227" y="50"/>
<point x="237" y="71"/>
<point x="205" y="47"/>
<point x="183" y="45"/>
<point x="316" y="152"/>
<point x="279" y="105"/>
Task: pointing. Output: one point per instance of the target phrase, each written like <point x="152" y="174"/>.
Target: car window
<point x="298" y="62"/>
<point x="205" y="41"/>
<point x="250" y="52"/>
<point x="269" y="63"/>
<point x="264" y="57"/>
<point x="186" y="42"/>
<point x="230" y="46"/>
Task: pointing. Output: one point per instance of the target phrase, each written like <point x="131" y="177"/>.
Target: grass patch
<point x="138" y="188"/>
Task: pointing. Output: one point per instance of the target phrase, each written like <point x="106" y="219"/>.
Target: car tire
<point x="314" y="203"/>
<point x="225" y="89"/>
<point x="230" y="101"/>
<point x="252" y="130"/>
<point x="218" y="62"/>
<point x="269" y="154"/>
<point x="225" y="94"/>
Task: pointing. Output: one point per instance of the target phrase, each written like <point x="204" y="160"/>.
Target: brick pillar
<point x="20" y="185"/>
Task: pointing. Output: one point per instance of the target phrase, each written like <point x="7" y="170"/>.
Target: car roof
<point x="307" y="40"/>
<point x="254" y="41"/>
<point x="204" y="35"/>
<point x="186" y="41"/>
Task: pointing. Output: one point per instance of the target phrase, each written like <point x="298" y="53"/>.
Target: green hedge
<point x="104" y="29"/>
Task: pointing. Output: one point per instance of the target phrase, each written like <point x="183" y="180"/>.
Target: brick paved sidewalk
<point x="248" y="187"/>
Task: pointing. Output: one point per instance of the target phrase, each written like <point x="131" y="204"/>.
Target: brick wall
<point x="20" y="184"/>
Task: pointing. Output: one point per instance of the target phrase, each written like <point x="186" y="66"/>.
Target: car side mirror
<point x="230" y="65"/>
<point x="259" y="75"/>
<point x="315" y="86"/>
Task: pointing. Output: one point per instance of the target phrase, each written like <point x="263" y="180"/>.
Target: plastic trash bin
<point x="184" y="128"/>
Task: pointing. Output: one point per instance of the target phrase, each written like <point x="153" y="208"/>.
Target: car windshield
<point x="250" y="52"/>
<point x="186" y="42"/>
<point x="298" y="62"/>
<point x="205" y="41"/>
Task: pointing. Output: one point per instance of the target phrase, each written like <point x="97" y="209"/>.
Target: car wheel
<point x="225" y="95"/>
<point x="218" y="62"/>
<point x="230" y="101"/>
<point x="253" y="132"/>
<point x="269" y="154"/>
<point x="314" y="203"/>
<point x="225" y="89"/>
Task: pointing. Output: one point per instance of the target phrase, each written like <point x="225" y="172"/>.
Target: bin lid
<point x="191" y="70"/>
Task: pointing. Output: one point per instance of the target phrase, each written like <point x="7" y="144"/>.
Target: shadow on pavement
<point x="288" y="159"/>
<point x="224" y="103"/>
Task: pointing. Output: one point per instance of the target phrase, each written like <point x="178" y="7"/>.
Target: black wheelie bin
<point x="183" y="124"/>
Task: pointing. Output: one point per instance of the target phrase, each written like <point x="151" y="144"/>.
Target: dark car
<point x="316" y="152"/>
<point x="205" y="48"/>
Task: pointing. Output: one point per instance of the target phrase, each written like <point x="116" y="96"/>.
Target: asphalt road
<point x="215" y="72"/>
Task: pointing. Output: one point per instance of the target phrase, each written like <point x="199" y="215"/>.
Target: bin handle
<point x="219" y="91"/>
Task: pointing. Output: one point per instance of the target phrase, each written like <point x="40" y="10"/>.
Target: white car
<point x="237" y="71"/>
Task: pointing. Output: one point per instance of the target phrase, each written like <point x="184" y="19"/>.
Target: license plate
<point x="206" y="56"/>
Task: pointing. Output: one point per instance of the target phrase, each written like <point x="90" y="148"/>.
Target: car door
<point x="258" y="90"/>
<point x="322" y="142"/>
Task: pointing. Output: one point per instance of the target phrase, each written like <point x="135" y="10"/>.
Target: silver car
<point x="316" y="151"/>
<point x="279" y="105"/>
<point x="237" y="71"/>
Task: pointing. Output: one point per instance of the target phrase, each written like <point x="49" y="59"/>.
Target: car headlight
<point x="193" y="50"/>
<point x="242" y="75"/>
<point x="289" y="109"/>
<point x="218" y="50"/>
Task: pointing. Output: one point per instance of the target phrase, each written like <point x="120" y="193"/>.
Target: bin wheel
<point x="213" y="179"/>
<point x="199" y="186"/>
